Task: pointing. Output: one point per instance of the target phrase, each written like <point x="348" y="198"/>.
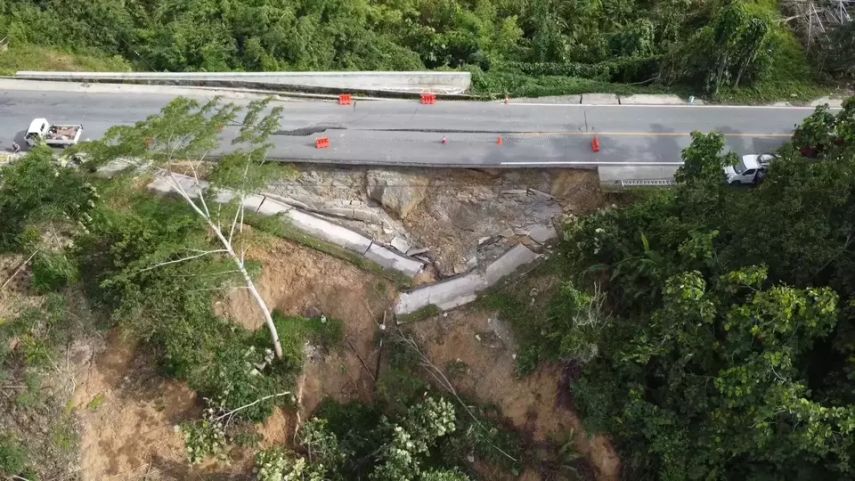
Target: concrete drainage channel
<point x="445" y="294"/>
<point x="463" y="290"/>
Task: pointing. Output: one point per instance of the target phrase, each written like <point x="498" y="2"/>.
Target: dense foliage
<point x="384" y="450"/>
<point x="724" y="347"/>
<point x="703" y="44"/>
<point x="38" y="191"/>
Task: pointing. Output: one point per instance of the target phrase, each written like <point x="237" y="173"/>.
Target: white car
<point x="750" y="170"/>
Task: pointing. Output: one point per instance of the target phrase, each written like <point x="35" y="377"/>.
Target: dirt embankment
<point x="481" y="348"/>
<point x="300" y="281"/>
<point x="127" y="413"/>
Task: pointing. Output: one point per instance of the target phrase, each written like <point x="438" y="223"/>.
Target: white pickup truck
<point x="52" y="135"/>
<point x="750" y="170"/>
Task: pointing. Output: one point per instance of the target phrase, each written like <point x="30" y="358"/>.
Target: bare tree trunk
<point x="229" y="250"/>
<point x="268" y="318"/>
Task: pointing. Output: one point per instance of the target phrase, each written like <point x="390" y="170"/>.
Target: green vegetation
<point x="714" y="337"/>
<point x="425" y="438"/>
<point x="382" y="449"/>
<point x="170" y="306"/>
<point x="13" y="458"/>
<point x="421" y="314"/>
<point x="40" y="211"/>
<point x="541" y="47"/>
<point x="143" y="265"/>
<point x="35" y="57"/>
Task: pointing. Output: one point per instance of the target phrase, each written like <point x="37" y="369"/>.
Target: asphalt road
<point x="404" y="132"/>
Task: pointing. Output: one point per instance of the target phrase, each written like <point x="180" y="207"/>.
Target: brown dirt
<point x="300" y="281"/>
<point x="473" y="339"/>
<point x="127" y="416"/>
<point x="578" y="191"/>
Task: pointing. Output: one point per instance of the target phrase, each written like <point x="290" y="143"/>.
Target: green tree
<point x="187" y="132"/>
<point x="37" y="190"/>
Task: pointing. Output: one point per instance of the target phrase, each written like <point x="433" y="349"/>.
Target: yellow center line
<point x="576" y="133"/>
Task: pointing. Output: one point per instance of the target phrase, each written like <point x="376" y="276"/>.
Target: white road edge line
<point x="708" y="106"/>
<point x="574" y="162"/>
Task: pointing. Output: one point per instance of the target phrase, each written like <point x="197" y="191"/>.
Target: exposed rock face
<point x="397" y="192"/>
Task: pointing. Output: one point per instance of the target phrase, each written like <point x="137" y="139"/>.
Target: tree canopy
<point x="704" y="44"/>
<point x="725" y="343"/>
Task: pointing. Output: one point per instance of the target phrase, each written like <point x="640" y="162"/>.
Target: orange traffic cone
<point x="595" y="144"/>
<point x="499" y="141"/>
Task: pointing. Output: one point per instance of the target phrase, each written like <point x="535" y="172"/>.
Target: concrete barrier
<point x="324" y="82"/>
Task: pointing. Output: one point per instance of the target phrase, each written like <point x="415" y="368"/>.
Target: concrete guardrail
<point x="322" y="82"/>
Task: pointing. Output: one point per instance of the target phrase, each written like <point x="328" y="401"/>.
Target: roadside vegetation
<point x="728" y="50"/>
<point x="708" y="328"/>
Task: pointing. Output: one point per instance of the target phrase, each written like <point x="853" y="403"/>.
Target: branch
<point x="183" y="193"/>
<point x="241" y="199"/>
<point x="188" y="258"/>
<point x="196" y="176"/>
<point x="245" y="406"/>
<point x="20" y="268"/>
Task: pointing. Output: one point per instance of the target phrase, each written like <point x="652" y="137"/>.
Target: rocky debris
<point x="418" y="252"/>
<point x="542" y="233"/>
<point x="397" y="192"/>
<point x="460" y="218"/>
<point x="400" y="244"/>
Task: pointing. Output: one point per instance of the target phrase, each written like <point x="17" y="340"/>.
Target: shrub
<point x="13" y="458"/>
<point x="52" y="271"/>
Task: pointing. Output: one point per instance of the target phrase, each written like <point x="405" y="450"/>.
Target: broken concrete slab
<point x="112" y="168"/>
<point x="270" y="207"/>
<point x="400" y="244"/>
<point x="329" y="232"/>
<point x="416" y="252"/>
<point x="463" y="290"/>
<point x="600" y="99"/>
<point x="310" y="224"/>
<point x="390" y="260"/>
<point x="445" y="295"/>
<point x="510" y="261"/>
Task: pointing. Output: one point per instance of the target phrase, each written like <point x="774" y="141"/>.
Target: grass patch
<point x="420" y="315"/>
<point x="13" y="457"/>
<point x="321" y="331"/>
<point x="280" y="228"/>
<point x="32" y="57"/>
<point x="96" y="402"/>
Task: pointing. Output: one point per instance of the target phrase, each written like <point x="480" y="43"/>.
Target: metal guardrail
<point x="629" y="183"/>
